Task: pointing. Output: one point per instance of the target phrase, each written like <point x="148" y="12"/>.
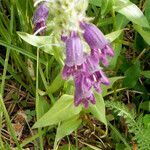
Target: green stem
<point x="114" y="18"/>
<point x="76" y="139"/>
<point x="37" y="99"/>
<point x="140" y="55"/>
<point x="2" y="90"/>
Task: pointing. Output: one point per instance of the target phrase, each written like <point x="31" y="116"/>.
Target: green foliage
<point x="132" y="12"/>
<point x="144" y="33"/>
<point x="67" y="127"/>
<point x="147" y="10"/>
<point x="135" y="125"/>
<point x="145" y="105"/>
<point x="126" y="25"/>
<point x="62" y="110"/>
<point x="132" y="75"/>
<point x="98" y="110"/>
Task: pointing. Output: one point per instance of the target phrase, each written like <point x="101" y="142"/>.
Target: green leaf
<point x="121" y="22"/>
<point x="56" y="84"/>
<point x="43" y="42"/>
<point x="106" y="6"/>
<point x="98" y="110"/>
<point x="114" y="35"/>
<point x="147" y="9"/>
<point x="62" y="110"/>
<point x="67" y="147"/>
<point x="146" y="74"/>
<point x="131" y="11"/>
<point x="20" y="50"/>
<point x="43" y="106"/>
<point x="112" y="81"/>
<point x="146" y="120"/>
<point x="132" y="75"/>
<point x="96" y="2"/>
<point x="67" y="127"/>
<point x="37" y="41"/>
<point x="145" y="105"/>
<point x="145" y="34"/>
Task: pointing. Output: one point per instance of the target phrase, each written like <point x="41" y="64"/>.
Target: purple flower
<point x="98" y="55"/>
<point x="40" y="17"/>
<point x="74" y="55"/>
<point x="95" y="74"/>
<point x="97" y="41"/>
<point x="64" y="37"/>
<point x="83" y="93"/>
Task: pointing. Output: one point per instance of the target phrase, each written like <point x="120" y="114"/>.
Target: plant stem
<point x="76" y="139"/>
<point x="37" y="99"/>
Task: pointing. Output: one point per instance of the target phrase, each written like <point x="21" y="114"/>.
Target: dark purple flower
<point x="64" y="37"/>
<point x="40" y="17"/>
<point x="83" y="93"/>
<point x="74" y="55"/>
<point x="97" y="41"/>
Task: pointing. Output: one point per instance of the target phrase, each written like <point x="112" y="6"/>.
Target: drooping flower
<point x="97" y="42"/>
<point x="40" y="17"/>
<point x="74" y="55"/>
<point x="95" y="74"/>
<point x="83" y="93"/>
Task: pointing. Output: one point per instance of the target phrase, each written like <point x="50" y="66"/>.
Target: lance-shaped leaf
<point x="43" y="42"/>
<point x="62" y="110"/>
<point x="113" y="35"/>
<point x="98" y="110"/>
<point x="67" y="127"/>
<point x="131" y="11"/>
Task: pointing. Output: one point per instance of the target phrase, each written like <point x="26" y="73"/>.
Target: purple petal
<point x="92" y="99"/>
<point x="103" y="59"/>
<point x="71" y="70"/>
<point x="93" y="36"/>
<point x="92" y="64"/>
<point x="104" y="79"/>
<point x="64" y="37"/>
<point x="108" y="50"/>
<point x="97" y="87"/>
<point x="83" y="93"/>
<point x="40" y="17"/>
<point x="74" y="50"/>
<point x="40" y="25"/>
<point x="41" y="13"/>
<point x="67" y="71"/>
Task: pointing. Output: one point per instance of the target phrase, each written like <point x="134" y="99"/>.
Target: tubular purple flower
<point x="40" y="17"/>
<point x="97" y="41"/>
<point x="83" y="93"/>
<point x="95" y="74"/>
<point x="74" y="55"/>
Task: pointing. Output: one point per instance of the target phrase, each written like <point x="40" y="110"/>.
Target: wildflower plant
<point x="65" y="36"/>
<point x="74" y="29"/>
<point x="62" y="29"/>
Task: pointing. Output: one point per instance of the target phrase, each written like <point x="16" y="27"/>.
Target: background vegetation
<point x="33" y="93"/>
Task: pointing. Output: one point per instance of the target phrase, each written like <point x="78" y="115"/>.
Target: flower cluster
<point x="71" y="23"/>
<point x="85" y="67"/>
